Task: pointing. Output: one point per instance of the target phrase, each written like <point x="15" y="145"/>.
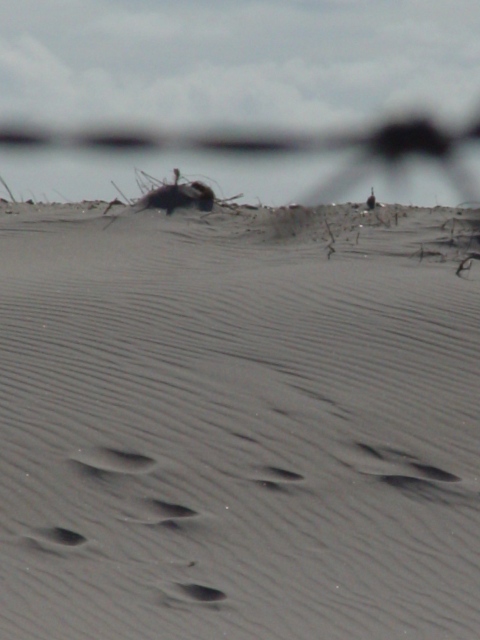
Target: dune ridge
<point x="233" y="425"/>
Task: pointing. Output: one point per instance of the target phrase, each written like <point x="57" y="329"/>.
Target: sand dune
<point x="246" y="424"/>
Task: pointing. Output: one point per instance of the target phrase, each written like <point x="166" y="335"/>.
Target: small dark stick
<point x="371" y="201"/>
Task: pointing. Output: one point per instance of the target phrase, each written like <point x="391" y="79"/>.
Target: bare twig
<point x="330" y="232"/>
<point x="61" y="195"/>
<point x="385" y="224"/>
<point x="111" y="204"/>
<point x="120" y="192"/>
<point x="8" y="189"/>
<point x="224" y="200"/>
<point x="153" y="181"/>
<point x="465" y="265"/>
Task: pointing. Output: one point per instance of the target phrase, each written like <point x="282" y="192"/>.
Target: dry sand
<point x="247" y="424"/>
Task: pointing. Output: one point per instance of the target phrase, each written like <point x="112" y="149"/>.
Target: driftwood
<point x="174" y="196"/>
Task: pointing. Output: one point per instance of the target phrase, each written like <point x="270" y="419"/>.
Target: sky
<point x="310" y="66"/>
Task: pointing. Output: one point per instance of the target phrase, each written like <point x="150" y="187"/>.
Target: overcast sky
<point x="309" y="65"/>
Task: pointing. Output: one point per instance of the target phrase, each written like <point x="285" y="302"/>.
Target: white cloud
<point x="291" y="63"/>
<point x="28" y="63"/>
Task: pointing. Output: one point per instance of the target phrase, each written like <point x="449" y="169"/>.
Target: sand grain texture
<point x="241" y="425"/>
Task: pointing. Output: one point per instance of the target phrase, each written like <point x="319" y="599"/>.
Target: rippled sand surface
<point x="246" y="424"/>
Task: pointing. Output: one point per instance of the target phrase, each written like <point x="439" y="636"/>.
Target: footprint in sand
<point x="396" y="467"/>
<point x="158" y="512"/>
<point x="54" y="538"/>
<point x="276" y="478"/>
<point x="191" y="593"/>
<point x="200" y="593"/>
<point x="99" y="461"/>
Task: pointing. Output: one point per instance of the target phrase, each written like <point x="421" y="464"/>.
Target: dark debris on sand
<point x="174" y="196"/>
<point x="171" y="196"/>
